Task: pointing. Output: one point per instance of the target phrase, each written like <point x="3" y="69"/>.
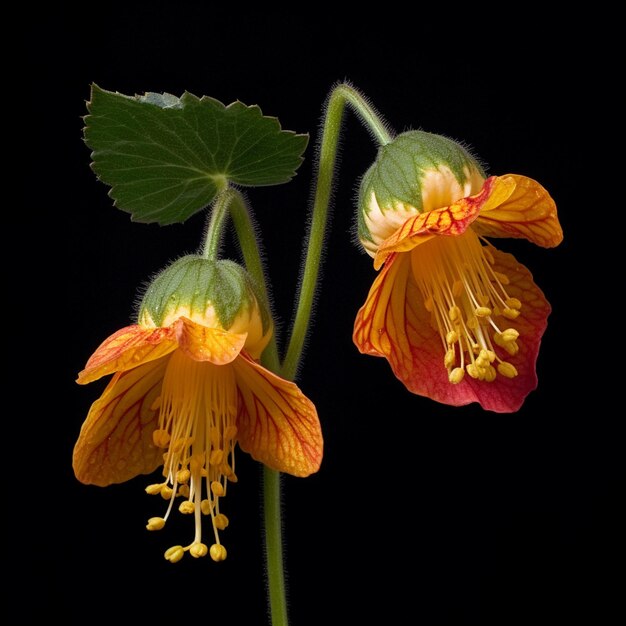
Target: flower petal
<point x="115" y="442"/>
<point x="380" y="324"/>
<point x="127" y="348"/>
<point x="448" y="221"/>
<point x="277" y="424"/>
<point x="202" y="343"/>
<point x="394" y="323"/>
<point x="529" y="213"/>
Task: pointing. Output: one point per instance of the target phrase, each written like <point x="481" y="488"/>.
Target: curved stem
<point x="340" y="96"/>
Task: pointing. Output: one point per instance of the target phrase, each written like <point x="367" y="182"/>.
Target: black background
<point x="421" y="513"/>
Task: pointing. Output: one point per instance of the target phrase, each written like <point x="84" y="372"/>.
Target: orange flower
<point x="185" y="391"/>
<point x="458" y="320"/>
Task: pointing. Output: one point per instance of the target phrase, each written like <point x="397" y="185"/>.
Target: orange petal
<point x="394" y="323"/>
<point x="448" y="221"/>
<point x="127" y="348"/>
<point x="115" y="442"/>
<point x="529" y="213"/>
<point x="380" y="324"/>
<point x="277" y="424"/>
<point x="202" y="343"/>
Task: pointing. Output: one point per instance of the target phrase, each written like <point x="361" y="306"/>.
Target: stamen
<point x="174" y="554"/>
<point x="466" y="296"/>
<point x="217" y="552"/>
<point x="155" y="523"/>
<point x="197" y="412"/>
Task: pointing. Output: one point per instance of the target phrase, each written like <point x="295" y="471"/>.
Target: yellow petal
<point x="529" y="213"/>
<point x="127" y="348"/>
<point x="115" y="442"/>
<point x="277" y="424"/>
<point x="202" y="343"/>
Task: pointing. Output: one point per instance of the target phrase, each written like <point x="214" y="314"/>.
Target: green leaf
<point x="166" y="158"/>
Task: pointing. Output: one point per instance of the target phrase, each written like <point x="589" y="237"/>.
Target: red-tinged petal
<point x="127" y="348"/>
<point x="406" y="337"/>
<point x="277" y="424"/>
<point x="380" y="324"/>
<point x="202" y="343"/>
<point x="115" y="442"/>
<point x="448" y="221"/>
<point x="528" y="213"/>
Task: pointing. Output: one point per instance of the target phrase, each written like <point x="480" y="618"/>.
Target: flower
<point x="458" y="320"/>
<point x="187" y="388"/>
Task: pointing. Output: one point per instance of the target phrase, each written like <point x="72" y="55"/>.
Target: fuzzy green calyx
<point x="217" y="294"/>
<point x="415" y="173"/>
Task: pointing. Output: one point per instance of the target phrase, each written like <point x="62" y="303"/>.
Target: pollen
<point x="196" y="426"/>
<point x="469" y="305"/>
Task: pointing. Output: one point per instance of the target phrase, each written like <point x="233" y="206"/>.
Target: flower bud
<point x="415" y="173"/>
<point x="217" y="294"/>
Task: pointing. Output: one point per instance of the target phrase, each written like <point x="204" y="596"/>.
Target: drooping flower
<point x="186" y="389"/>
<point x="458" y="320"/>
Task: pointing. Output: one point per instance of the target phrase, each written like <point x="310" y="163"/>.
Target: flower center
<point x="198" y="407"/>
<point x="464" y="294"/>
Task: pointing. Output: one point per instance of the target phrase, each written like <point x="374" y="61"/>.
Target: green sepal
<point x="197" y="283"/>
<point x="400" y="167"/>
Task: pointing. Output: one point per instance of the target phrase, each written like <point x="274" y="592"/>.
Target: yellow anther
<point x="503" y="278"/>
<point x="154" y="489"/>
<point x="450" y="358"/>
<point x="182" y="476"/>
<point x="483" y="299"/>
<point x="456" y="375"/>
<point x="513" y="303"/>
<point x="490" y="374"/>
<point x="161" y="438"/>
<point x="454" y="313"/>
<point x="429" y="304"/>
<point x="507" y="370"/>
<point x="166" y="492"/>
<point x="218" y="552"/>
<point x="489" y="256"/>
<point x="232" y="477"/>
<point x="206" y="507"/>
<point x="217" y="488"/>
<point x="155" y="523"/>
<point x="457" y="288"/>
<point x="510" y="334"/>
<point x="196" y="464"/>
<point x="198" y="550"/>
<point x="174" y="554"/>
<point x="220" y="521"/>
<point x="186" y="507"/>
<point x="156" y="404"/>
<point x="452" y="337"/>
<point x="510" y="314"/>
<point x="482" y="361"/>
<point x="183" y="491"/>
<point x="482" y="311"/>
<point x="511" y="347"/>
<point x="472" y="323"/>
<point x="472" y="370"/>
<point x="216" y="457"/>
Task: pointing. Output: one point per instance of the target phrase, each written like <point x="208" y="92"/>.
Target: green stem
<point x="274" y="547"/>
<point x="342" y="94"/>
<point x="215" y="228"/>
